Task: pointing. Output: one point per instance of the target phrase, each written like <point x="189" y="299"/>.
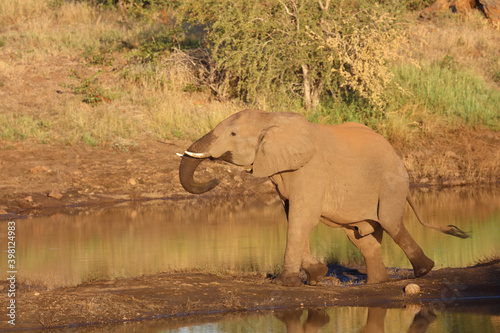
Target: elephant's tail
<point x="449" y="229"/>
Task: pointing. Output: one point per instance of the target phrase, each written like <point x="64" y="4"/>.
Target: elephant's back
<point x="358" y="146"/>
<point x="353" y="135"/>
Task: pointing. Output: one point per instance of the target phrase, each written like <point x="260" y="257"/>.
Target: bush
<point x="304" y="49"/>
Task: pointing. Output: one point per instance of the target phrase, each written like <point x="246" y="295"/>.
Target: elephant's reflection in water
<point x="315" y="320"/>
<point x="375" y="322"/>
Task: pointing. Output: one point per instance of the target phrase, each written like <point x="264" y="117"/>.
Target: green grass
<point x="457" y="95"/>
<point x="19" y="127"/>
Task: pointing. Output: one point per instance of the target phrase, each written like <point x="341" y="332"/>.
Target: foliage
<point x="298" y="47"/>
<point x="145" y="10"/>
<point x="90" y="88"/>
<point x="101" y="56"/>
<point x="417" y="4"/>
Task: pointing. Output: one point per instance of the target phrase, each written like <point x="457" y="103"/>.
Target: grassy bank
<point x="71" y="73"/>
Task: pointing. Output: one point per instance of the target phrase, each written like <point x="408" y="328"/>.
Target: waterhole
<point x="62" y="250"/>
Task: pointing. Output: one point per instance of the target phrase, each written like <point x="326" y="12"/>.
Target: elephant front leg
<point x="302" y="218"/>
<point x="315" y="270"/>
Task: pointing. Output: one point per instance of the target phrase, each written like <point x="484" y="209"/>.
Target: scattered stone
<point x="412" y="289"/>
<point x="238" y="179"/>
<point x="55" y="194"/>
<point x="40" y="168"/>
<point x="28" y="198"/>
<point x="132" y="181"/>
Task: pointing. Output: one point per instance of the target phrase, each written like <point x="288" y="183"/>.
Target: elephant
<point x="343" y="175"/>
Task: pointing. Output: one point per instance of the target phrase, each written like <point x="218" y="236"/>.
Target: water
<point x="131" y="240"/>
<point x="413" y="319"/>
<point x="63" y="250"/>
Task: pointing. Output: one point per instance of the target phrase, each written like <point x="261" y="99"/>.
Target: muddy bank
<point x="195" y="293"/>
<point x="42" y="179"/>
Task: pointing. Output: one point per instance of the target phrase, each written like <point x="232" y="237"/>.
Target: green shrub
<point x="307" y="49"/>
<point x="90" y="88"/>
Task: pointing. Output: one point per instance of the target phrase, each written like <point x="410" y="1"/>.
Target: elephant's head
<point x="267" y="143"/>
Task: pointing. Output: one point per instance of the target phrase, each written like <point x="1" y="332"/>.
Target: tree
<point x="299" y="47"/>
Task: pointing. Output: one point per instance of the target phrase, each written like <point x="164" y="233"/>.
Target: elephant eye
<point x="233" y="134"/>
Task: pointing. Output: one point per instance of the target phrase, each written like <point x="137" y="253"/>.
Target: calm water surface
<point x="335" y="319"/>
<point x="126" y="241"/>
<point x="132" y="240"/>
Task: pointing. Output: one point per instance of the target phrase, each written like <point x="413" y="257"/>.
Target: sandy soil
<point x="43" y="179"/>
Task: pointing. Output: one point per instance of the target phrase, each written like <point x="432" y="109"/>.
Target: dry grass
<point x="470" y="42"/>
<point x="41" y="42"/>
<point x="146" y="99"/>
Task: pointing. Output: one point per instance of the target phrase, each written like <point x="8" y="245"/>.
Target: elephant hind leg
<point x="420" y="262"/>
<point x="370" y="248"/>
<point x="391" y="218"/>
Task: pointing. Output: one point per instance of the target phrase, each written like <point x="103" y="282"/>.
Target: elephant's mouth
<point x="227" y="156"/>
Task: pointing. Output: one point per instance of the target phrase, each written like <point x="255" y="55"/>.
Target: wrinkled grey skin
<point x="342" y="175"/>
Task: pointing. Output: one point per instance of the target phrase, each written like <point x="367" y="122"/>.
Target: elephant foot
<point x="423" y="267"/>
<point x="288" y="280"/>
<point x="315" y="273"/>
<point x="380" y="276"/>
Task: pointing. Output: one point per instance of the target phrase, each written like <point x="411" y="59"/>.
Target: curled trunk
<point x="189" y="164"/>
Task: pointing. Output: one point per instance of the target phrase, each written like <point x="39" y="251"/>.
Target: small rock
<point x="412" y="289"/>
<point x="132" y="181"/>
<point x="37" y="294"/>
<point x="29" y="198"/>
<point x="55" y="194"/>
<point x="424" y="180"/>
<point x="238" y="179"/>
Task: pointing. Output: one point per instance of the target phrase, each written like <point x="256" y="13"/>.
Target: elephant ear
<point x="284" y="147"/>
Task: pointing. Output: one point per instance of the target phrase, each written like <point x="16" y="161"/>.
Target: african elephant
<point x="342" y="175"/>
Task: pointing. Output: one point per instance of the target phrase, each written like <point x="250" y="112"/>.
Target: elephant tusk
<point x="197" y="155"/>
<point x="180" y="155"/>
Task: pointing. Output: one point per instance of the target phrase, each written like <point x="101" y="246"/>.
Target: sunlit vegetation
<point x="173" y="69"/>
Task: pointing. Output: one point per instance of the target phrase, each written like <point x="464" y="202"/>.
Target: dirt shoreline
<point x="175" y="294"/>
<point x="43" y="179"/>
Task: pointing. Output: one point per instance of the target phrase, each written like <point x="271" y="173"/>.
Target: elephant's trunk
<point x="189" y="164"/>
